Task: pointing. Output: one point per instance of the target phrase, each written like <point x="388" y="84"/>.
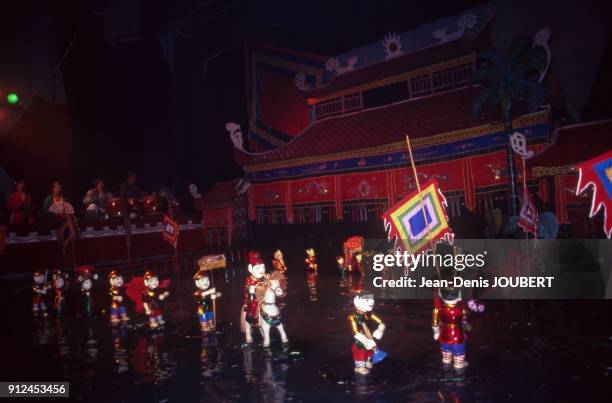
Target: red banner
<point x="313" y="190"/>
<point x="489" y="169"/>
<point x="270" y="194"/>
<point x="368" y="185"/>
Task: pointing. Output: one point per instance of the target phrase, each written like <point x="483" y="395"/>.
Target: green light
<point x="12" y="98"/>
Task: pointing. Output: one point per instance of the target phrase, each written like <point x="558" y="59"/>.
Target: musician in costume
<point x="249" y="314"/>
<point x="449" y="322"/>
<point x="60" y="287"/>
<point x="118" y="310"/>
<point x="96" y="199"/>
<point x="203" y="295"/>
<point x="151" y="298"/>
<point x="19" y="203"/>
<point x="311" y="259"/>
<point x="39" y="289"/>
<point x="366" y="328"/>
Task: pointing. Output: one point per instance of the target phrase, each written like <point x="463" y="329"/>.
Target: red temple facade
<point x="351" y="162"/>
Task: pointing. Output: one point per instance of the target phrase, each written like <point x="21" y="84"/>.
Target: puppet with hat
<point x="86" y="276"/>
<point x="147" y="292"/>
<point x="118" y="310"/>
<point x="311" y="259"/>
<point x="366" y="328"/>
<point x="249" y="313"/>
<point x="60" y="286"/>
<point x="203" y="294"/>
<point x="39" y="290"/>
<point x="449" y="322"/>
<point x="278" y="262"/>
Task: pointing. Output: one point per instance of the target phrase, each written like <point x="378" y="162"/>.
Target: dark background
<point x="133" y="107"/>
<point x="132" y="112"/>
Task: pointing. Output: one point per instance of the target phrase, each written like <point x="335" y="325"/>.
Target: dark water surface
<point x="518" y="351"/>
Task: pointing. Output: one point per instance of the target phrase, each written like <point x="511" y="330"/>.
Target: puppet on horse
<point x="259" y="308"/>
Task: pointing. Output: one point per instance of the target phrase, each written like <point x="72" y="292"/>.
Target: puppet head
<point x="39" y="278"/>
<point x="86" y="277"/>
<point x="363" y="301"/>
<point x="115" y="279"/>
<point x="450" y="295"/>
<point x="86" y="284"/>
<point x="310" y="252"/>
<point x="150" y="280"/>
<point x="340" y="261"/>
<point x="59" y="279"/>
<point x="278" y="255"/>
<point x="202" y="281"/>
<point x="256" y="265"/>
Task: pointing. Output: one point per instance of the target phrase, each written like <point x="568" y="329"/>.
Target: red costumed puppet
<point x="449" y="322"/>
<point x="60" y="286"/>
<point x="311" y="260"/>
<point x="39" y="289"/>
<point x="366" y="327"/>
<point x="147" y="293"/>
<point x="249" y="313"/>
<point x="279" y="262"/>
<point x="118" y="309"/>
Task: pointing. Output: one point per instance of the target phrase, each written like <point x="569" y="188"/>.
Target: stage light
<point x="12" y="98"/>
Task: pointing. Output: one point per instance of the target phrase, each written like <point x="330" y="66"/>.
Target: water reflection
<point x="150" y="359"/>
<point x="346" y="283"/>
<point x="120" y="355"/>
<point x="91" y="344"/>
<point x="43" y="331"/>
<point x="267" y="371"/>
<point x="311" y="282"/>
<point x="63" y="345"/>
<point x="211" y="357"/>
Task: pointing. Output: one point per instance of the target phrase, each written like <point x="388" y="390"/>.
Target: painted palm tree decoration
<point x="507" y="78"/>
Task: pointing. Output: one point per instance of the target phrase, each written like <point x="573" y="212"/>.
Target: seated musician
<point x="55" y="205"/>
<point x="19" y="204"/>
<point x="59" y="209"/>
<point x="129" y="189"/>
<point x="96" y="199"/>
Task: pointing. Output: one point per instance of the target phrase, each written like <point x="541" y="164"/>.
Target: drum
<point x="116" y="207"/>
<point x="154" y="205"/>
<point x="134" y="207"/>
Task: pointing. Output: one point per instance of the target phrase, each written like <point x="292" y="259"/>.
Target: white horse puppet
<point x="269" y="313"/>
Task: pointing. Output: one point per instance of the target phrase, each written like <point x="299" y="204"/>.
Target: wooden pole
<point x="418" y="185"/>
<point x="214" y="301"/>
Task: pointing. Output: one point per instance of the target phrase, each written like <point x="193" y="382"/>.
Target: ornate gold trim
<point x="434" y="68"/>
<point x="520" y="122"/>
<point x="552" y="171"/>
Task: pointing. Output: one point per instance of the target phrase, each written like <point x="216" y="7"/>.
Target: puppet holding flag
<point x="206" y="291"/>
